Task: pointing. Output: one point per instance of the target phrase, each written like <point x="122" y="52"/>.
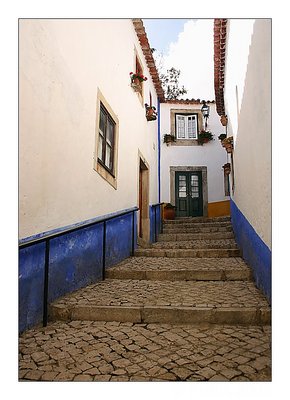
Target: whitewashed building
<point x="192" y="174"/>
<point x="87" y="152"/>
<point x="243" y="93"/>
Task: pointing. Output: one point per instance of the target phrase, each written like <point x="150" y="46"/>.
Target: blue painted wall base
<point x="155" y="222"/>
<point x="255" y="252"/>
<point x="75" y="261"/>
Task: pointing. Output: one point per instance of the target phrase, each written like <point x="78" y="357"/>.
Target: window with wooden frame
<point x="186" y="126"/>
<point x="107" y="133"/>
<point x="106" y="139"/>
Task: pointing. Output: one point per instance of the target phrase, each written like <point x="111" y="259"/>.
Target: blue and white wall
<point x="248" y="105"/>
<point x="63" y="65"/>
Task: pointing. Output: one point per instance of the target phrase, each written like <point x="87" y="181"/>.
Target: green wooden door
<point x="188" y="194"/>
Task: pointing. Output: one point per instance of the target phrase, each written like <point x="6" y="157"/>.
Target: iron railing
<point x="46" y="239"/>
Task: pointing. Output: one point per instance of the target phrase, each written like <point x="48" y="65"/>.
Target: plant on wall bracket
<point x="204" y="137"/>
<point x="136" y="80"/>
<point x="168" y="138"/>
<point x="151" y="114"/>
<point x="227" y="168"/>
<point x="228" y="144"/>
<point x="222" y="136"/>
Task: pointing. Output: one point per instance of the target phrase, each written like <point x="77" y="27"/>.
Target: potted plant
<point x="168" y="138"/>
<point x="151" y="114"/>
<point x="224" y="120"/>
<point x="227" y="168"/>
<point x="222" y="136"/>
<point x="204" y="137"/>
<point x="228" y="144"/>
<point x="169" y="211"/>
<point x="136" y="80"/>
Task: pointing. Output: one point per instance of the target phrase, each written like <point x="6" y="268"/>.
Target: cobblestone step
<point x="164" y="315"/>
<point x="172" y="229"/>
<point x="166" y="237"/>
<point x="186" y="225"/>
<point x="142" y="301"/>
<point x="172" y="269"/>
<point x="197" y="244"/>
<point x="112" y="351"/>
<point x="182" y="220"/>
<point x="179" y="253"/>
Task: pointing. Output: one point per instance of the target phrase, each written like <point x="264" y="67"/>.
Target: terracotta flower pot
<point x="229" y="148"/>
<point x="169" y="213"/>
<point x="224" y="120"/>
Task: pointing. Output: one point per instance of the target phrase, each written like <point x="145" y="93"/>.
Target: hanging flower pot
<point x="151" y="114"/>
<point x="227" y="168"/>
<point x="222" y="136"/>
<point x="136" y="80"/>
<point x="224" y="120"/>
<point x="229" y="148"/>
<point x="228" y="144"/>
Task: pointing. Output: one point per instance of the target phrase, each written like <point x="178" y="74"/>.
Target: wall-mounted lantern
<point x="205" y="112"/>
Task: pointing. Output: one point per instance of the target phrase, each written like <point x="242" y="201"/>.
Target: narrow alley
<point x="145" y="242"/>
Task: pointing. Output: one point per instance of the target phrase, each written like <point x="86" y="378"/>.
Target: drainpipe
<point x="158" y="137"/>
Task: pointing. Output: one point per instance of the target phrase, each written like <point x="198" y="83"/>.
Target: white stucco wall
<point x="250" y="123"/>
<point x="62" y="64"/>
<point x="211" y="155"/>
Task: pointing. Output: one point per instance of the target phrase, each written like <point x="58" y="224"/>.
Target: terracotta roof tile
<point x="140" y="31"/>
<point x="220" y="33"/>
<point x="188" y="101"/>
<point x="142" y="36"/>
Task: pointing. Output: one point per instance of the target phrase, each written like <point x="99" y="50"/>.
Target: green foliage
<point x="170" y="84"/>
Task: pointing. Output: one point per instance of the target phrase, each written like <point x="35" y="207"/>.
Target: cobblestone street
<point x="157" y="318"/>
<point x="112" y="351"/>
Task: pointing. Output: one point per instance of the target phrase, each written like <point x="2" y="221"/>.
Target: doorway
<point x="189" y="201"/>
<point x="189" y="190"/>
<point x="143" y="222"/>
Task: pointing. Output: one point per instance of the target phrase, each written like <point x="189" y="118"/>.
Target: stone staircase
<point x="193" y="274"/>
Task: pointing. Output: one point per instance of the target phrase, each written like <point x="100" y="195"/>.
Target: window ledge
<point x="185" y="142"/>
<point x="105" y="174"/>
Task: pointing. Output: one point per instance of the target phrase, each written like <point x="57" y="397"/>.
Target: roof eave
<point x="220" y="33"/>
<point x="145" y="46"/>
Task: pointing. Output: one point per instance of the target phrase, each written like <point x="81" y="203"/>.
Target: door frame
<point x="203" y="170"/>
<point x="189" y="200"/>
<point x="143" y="200"/>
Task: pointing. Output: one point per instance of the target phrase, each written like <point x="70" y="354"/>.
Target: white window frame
<point x="182" y="122"/>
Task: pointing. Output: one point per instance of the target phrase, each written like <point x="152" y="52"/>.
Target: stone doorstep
<point x="185" y="253"/>
<point x="237" y="274"/>
<point x="164" y="314"/>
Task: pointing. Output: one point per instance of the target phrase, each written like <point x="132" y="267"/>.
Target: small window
<point x="106" y="139"/>
<point x="186" y="126"/>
